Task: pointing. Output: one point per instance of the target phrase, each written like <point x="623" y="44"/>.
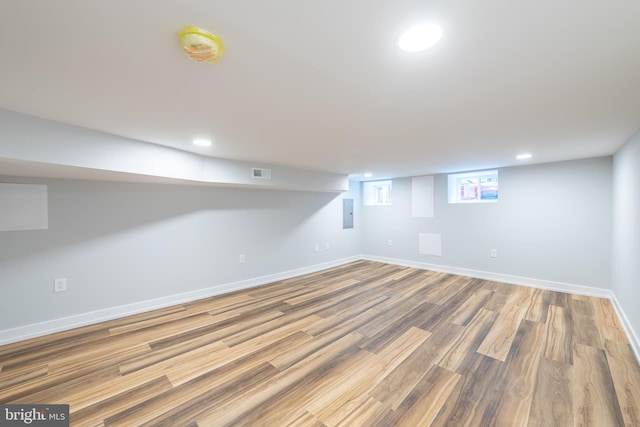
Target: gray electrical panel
<point x="347" y="213"/>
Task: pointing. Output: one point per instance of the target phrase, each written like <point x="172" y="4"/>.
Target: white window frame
<point x="377" y="193"/>
<point x="472" y="181"/>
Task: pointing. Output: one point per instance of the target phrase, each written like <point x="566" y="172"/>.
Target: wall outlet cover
<point x="59" y="285"/>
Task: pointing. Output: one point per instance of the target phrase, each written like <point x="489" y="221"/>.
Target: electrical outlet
<point x="389" y="242"/>
<point x="317" y="248"/>
<point x="494" y="253"/>
<point x="326" y="246"/>
<point x="59" y="285"/>
<point x="241" y="259"/>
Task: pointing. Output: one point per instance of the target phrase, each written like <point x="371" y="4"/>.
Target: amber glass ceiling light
<point x="200" y="45"/>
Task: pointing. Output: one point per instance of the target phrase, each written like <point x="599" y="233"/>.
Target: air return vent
<point x="260" y="173"/>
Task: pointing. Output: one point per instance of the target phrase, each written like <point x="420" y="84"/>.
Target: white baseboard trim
<point x="499" y="277"/>
<point x="63" y="324"/>
<point x="527" y="281"/>
<point x="66" y="323"/>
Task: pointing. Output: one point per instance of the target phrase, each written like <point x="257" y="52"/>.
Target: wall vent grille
<point x="260" y="173"/>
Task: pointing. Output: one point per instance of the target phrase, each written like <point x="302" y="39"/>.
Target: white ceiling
<point x="321" y="84"/>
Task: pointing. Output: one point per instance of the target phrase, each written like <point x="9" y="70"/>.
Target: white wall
<point x="626" y="231"/>
<point x="123" y="243"/>
<point x="58" y="150"/>
<point x="551" y="223"/>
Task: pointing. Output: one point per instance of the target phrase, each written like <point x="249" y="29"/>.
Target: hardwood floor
<point x="365" y="344"/>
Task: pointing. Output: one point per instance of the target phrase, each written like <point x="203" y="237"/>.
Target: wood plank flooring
<point x="365" y="344"/>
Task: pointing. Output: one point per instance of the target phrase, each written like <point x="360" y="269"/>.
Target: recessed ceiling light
<point x="420" y="37"/>
<point x="368" y="175"/>
<point x="523" y="156"/>
<point x="202" y="142"/>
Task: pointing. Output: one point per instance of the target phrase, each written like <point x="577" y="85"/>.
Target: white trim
<point x="57" y="325"/>
<point x="499" y="277"/>
<point x="20" y="333"/>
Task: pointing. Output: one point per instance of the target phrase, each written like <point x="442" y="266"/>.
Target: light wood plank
<point x="558" y="344"/>
<point x="106" y="408"/>
<point x="607" y="321"/>
<point x="305" y="391"/>
<point x="305" y="420"/>
<point x="539" y="308"/>
<point x="585" y="326"/>
<point x="424" y="402"/>
<point x="471" y="307"/>
<point x="625" y="374"/>
<point x="353" y="387"/>
<point x="520" y="371"/>
<point x="474" y="400"/>
<point x="182" y="404"/>
<point x="321" y="292"/>
<point x="595" y="401"/>
<point x="14" y="377"/>
<point x="498" y="341"/>
<point x="364" y="414"/>
<point x="500" y="338"/>
<point x="469" y="341"/>
<point x="552" y="404"/>
<point x="397" y="385"/>
<point x="231" y="412"/>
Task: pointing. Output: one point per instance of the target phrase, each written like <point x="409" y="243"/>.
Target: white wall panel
<point x="23" y="207"/>
<point x="422" y="196"/>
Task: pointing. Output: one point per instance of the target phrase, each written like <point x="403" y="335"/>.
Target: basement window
<point x="376" y="193"/>
<point x="474" y="187"/>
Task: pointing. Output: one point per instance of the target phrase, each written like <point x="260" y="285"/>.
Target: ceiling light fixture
<point x="200" y="45"/>
<point x="202" y="142"/>
<point x="420" y="37"/>
<point x="523" y="156"/>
